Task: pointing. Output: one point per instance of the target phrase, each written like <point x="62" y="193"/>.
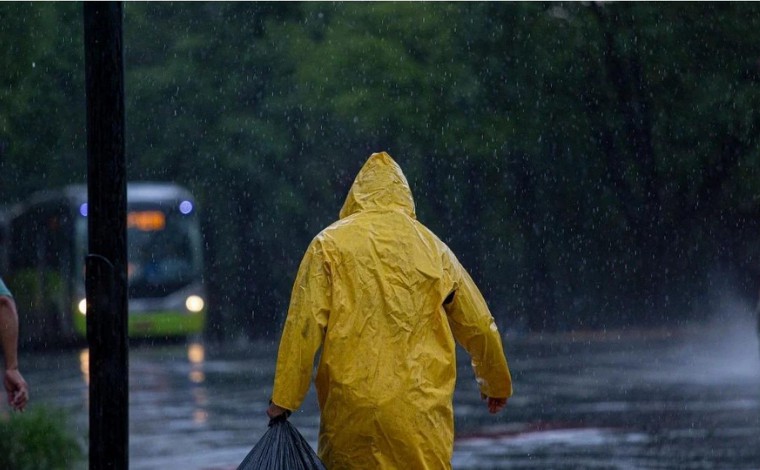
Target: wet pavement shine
<point x="665" y="399"/>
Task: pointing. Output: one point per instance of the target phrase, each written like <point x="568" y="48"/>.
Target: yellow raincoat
<point x="385" y="299"/>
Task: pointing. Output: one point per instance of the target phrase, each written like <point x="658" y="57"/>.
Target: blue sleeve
<point x="4" y="289"/>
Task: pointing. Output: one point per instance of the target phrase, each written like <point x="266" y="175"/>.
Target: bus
<point x="46" y="250"/>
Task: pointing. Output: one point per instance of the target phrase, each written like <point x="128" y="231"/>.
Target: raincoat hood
<point x="379" y="186"/>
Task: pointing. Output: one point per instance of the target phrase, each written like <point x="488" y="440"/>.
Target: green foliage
<point x="38" y="439"/>
<point x="579" y="158"/>
<point x="42" y="115"/>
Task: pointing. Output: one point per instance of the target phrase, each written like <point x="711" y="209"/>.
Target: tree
<point x="591" y="164"/>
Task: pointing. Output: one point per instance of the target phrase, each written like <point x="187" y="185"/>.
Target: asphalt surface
<point x="686" y="398"/>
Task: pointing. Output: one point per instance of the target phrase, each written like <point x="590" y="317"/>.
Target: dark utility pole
<point x="106" y="266"/>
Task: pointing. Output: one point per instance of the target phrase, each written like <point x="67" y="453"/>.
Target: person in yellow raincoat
<point x="385" y="299"/>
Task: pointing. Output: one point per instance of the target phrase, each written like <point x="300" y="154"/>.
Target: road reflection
<point x="84" y="365"/>
<point x="196" y="355"/>
<point x="675" y="400"/>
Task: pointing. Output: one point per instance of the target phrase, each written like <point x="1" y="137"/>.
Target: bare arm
<point x="9" y="331"/>
<point x="15" y="385"/>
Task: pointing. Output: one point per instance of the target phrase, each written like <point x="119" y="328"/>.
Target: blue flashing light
<point x="83" y="209"/>
<point x="185" y="207"/>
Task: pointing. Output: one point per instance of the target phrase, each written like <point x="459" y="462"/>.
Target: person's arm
<point x="9" y="331"/>
<point x="474" y="328"/>
<point x="15" y="385"/>
<point x="303" y="333"/>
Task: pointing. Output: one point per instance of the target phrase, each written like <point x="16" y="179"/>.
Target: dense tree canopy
<point x="593" y="165"/>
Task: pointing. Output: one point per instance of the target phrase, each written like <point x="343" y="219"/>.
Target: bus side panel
<point x="40" y="272"/>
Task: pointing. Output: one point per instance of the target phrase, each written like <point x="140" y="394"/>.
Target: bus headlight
<point x="83" y="306"/>
<point x="194" y="303"/>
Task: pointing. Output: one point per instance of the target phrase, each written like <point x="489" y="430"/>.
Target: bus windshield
<point x="163" y="252"/>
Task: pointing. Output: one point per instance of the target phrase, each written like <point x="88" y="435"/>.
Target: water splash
<point x="724" y="349"/>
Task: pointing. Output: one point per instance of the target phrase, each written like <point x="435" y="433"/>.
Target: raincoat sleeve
<point x="304" y="329"/>
<point x="474" y="328"/>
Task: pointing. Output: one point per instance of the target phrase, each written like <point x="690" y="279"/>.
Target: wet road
<point x="686" y="399"/>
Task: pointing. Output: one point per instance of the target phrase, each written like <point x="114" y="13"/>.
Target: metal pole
<point x="106" y="272"/>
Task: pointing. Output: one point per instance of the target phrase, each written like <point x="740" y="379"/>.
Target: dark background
<point x="594" y="166"/>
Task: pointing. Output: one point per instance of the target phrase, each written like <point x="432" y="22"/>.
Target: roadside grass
<point x="38" y="439"/>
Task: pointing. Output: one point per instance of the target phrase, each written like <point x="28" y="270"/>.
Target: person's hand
<point x="274" y="411"/>
<point x="18" y="390"/>
<point x="494" y="404"/>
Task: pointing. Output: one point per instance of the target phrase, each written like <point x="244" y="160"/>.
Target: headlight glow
<point x="83" y="306"/>
<point x="194" y="303"/>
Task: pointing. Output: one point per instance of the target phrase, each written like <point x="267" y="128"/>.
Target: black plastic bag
<point x="282" y="447"/>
